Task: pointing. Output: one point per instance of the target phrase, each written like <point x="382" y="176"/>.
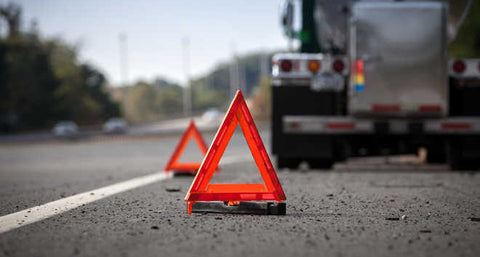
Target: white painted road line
<point x="41" y="212"/>
<point x="44" y="211"/>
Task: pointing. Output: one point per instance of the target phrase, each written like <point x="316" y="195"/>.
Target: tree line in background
<point x="42" y="80"/>
<point x="146" y="102"/>
<point x="467" y="42"/>
<point x="159" y="99"/>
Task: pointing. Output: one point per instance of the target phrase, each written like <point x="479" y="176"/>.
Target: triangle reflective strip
<point x="201" y="190"/>
<point x="173" y="163"/>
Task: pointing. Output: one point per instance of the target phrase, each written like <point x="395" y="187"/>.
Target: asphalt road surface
<point x="365" y="207"/>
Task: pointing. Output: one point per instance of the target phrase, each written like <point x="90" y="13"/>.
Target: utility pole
<point x="187" y="90"/>
<point x="242" y="78"/>
<point x="264" y="66"/>
<point x="122" y="39"/>
<point x="234" y="72"/>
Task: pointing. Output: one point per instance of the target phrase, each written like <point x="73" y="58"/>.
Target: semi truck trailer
<point x="374" y="78"/>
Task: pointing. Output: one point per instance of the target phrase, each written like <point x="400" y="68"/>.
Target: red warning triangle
<point x="201" y="190"/>
<point x="173" y="164"/>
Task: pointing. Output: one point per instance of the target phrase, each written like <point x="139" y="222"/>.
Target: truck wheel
<point x="436" y="153"/>
<point x="288" y="162"/>
<point x="464" y="166"/>
<point x="456" y="163"/>
<point x="436" y="157"/>
<point x="454" y="156"/>
<point x="457" y="152"/>
<point x="320" y="163"/>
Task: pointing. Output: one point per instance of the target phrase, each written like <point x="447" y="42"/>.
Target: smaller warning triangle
<point x="202" y="190"/>
<point x="173" y="164"/>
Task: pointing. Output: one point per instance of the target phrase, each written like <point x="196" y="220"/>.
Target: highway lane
<point x="165" y="127"/>
<point x="38" y="173"/>
<point x="356" y="209"/>
<point x="32" y="174"/>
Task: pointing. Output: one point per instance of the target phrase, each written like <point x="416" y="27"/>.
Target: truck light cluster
<point x="308" y="65"/>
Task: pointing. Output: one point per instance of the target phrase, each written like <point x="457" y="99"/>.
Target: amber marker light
<point x="314" y="66"/>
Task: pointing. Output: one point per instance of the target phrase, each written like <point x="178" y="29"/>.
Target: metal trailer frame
<point x="313" y="126"/>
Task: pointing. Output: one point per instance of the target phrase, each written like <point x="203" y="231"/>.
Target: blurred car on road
<point x="115" y="126"/>
<point x="66" y="128"/>
<point x="211" y="114"/>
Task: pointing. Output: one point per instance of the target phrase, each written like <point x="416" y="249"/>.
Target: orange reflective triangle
<point x="201" y="190"/>
<point x="173" y="164"/>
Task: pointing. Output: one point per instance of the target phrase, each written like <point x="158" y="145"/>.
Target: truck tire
<point x="436" y="151"/>
<point x="456" y="163"/>
<point x="463" y="154"/>
<point x="288" y="162"/>
<point x="434" y="156"/>
<point x="320" y="163"/>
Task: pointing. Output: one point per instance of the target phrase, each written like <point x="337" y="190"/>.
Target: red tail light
<point x="338" y="66"/>
<point x="459" y="66"/>
<point x="286" y="65"/>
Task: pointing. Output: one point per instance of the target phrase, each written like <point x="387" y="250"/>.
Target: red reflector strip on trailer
<point x="430" y="108"/>
<point x="456" y="126"/>
<point x="295" y="125"/>
<point x="385" y="108"/>
<point x="341" y="125"/>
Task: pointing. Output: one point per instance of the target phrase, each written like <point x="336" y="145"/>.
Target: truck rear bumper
<point x="313" y="124"/>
